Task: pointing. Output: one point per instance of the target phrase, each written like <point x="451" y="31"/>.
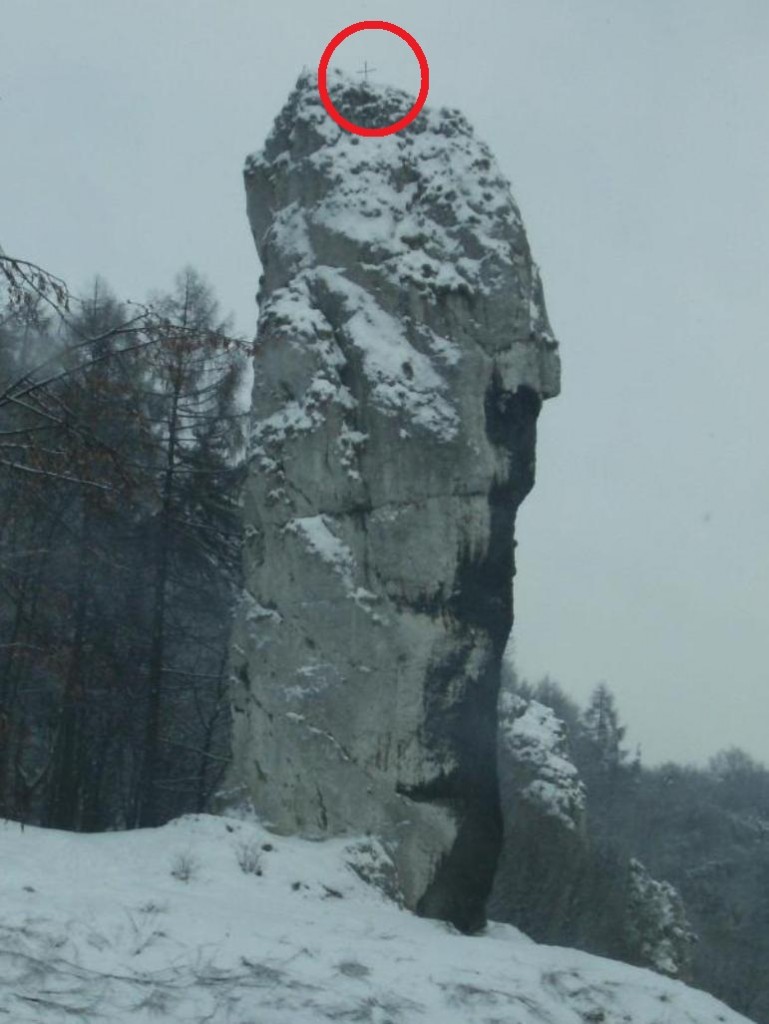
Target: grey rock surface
<point x="541" y="881"/>
<point x="403" y="354"/>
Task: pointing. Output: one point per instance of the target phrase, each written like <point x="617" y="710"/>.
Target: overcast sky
<point x="636" y="137"/>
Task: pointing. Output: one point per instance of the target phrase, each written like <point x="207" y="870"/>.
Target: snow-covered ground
<point x="218" y="920"/>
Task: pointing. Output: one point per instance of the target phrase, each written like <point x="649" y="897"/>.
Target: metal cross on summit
<point x="366" y="72"/>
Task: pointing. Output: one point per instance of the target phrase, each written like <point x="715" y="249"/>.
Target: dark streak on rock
<point x="482" y="607"/>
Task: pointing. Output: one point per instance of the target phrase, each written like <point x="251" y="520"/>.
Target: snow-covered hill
<point x="218" y="920"/>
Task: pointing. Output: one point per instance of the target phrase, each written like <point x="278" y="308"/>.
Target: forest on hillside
<point x="121" y="453"/>
<point x="673" y="857"/>
<point x="121" y="429"/>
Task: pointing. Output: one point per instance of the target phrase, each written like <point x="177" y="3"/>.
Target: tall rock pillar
<point x="403" y="355"/>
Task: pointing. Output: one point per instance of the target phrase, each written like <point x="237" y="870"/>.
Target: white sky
<point x="636" y="135"/>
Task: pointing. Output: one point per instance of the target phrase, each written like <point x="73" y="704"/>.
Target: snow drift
<point x="218" y="920"/>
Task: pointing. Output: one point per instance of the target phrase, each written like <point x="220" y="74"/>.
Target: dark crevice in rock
<point x="432" y="604"/>
<point x="482" y="604"/>
<point x="322" y="812"/>
<point x="345" y="371"/>
<point x="509" y="412"/>
<point x="366" y="507"/>
<point x="432" y="792"/>
<point x="255" y="700"/>
<point x="462" y="882"/>
<point x="244" y="677"/>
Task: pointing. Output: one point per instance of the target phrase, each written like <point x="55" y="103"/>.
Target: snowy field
<point x="217" y="920"/>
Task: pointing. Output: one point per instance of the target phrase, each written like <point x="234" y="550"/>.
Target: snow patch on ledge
<point x="324" y="543"/>
<point x="256" y="612"/>
<point x="321" y="540"/>
<point x="403" y="380"/>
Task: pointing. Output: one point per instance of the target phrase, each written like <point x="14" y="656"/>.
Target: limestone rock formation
<point x="403" y="354"/>
<point x="540" y="880"/>
<point x="657" y="929"/>
<point x="534" y="753"/>
<point x="554" y="881"/>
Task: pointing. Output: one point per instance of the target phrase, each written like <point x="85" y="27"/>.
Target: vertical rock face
<point x="403" y="354"/>
<point x="540" y="884"/>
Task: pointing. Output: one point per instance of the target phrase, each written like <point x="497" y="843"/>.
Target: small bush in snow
<point x="151" y="908"/>
<point x="184" y="867"/>
<point x="353" y="969"/>
<point x="144" y="932"/>
<point x="249" y="858"/>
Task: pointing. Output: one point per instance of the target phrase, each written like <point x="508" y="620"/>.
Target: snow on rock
<point x="321" y="540"/>
<point x="535" y="740"/>
<point x="402" y="357"/>
<point x="218" y="920"/>
<point x="657" y="927"/>
<point x="549" y="875"/>
<point x="402" y="379"/>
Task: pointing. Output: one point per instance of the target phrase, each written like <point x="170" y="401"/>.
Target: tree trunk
<point x="67" y="779"/>
<point x="147" y="797"/>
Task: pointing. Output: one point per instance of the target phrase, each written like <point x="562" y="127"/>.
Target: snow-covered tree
<point x="657" y="928"/>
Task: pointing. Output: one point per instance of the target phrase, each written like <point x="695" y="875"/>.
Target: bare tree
<point x="118" y="549"/>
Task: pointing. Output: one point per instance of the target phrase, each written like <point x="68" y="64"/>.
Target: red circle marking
<point x="362" y="26"/>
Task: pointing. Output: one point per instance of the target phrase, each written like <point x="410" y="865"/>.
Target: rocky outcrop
<point x="535" y="758"/>
<point x="545" y="858"/>
<point x="403" y="354"/>
<point x="554" y="881"/>
<point x="657" y="928"/>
